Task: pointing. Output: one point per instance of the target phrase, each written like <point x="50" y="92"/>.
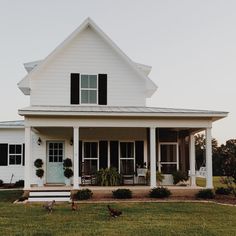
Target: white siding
<point x="88" y="53"/>
<point x="12" y="136"/>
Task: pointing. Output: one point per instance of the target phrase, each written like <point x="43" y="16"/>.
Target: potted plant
<point x="38" y="163"/>
<point x="159" y="177"/>
<point x="68" y="172"/>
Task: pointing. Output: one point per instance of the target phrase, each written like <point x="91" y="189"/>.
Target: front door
<point x="55" y="154"/>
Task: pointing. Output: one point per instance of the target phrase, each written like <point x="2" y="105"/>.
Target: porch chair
<point x="87" y="179"/>
<point x="141" y="172"/>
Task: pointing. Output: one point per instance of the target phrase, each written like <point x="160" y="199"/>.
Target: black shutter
<point x="102" y="89"/>
<point x="23" y="155"/>
<point x="3" y="154"/>
<point x="114" y="154"/>
<point x="80" y="158"/>
<point x="74" y="88"/>
<point x="103" y="154"/>
<point x="139" y="153"/>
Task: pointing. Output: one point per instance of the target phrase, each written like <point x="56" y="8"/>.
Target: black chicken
<point x="113" y="212"/>
<point x="74" y="206"/>
<point x="49" y="206"/>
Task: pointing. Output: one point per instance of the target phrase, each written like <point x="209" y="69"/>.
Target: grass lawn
<point x="216" y="182"/>
<point x="137" y="219"/>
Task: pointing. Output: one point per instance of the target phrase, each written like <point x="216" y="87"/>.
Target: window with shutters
<point x="88" y="89"/>
<point x="15" y="154"/>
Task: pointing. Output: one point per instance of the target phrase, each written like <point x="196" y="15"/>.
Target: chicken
<point x="113" y="212"/>
<point x="49" y="206"/>
<point x="74" y="206"/>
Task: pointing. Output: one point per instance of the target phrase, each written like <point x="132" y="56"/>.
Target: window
<point x="15" y="154"/>
<point x="88" y="89"/>
<point x="55" y="151"/>
<point x="90" y="158"/>
<point x="127" y="158"/>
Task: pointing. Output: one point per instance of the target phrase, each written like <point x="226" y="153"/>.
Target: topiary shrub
<point x="122" y="193"/>
<point x="159" y="192"/>
<point x="19" y="184"/>
<point x="223" y="191"/>
<point x="68" y="173"/>
<point x="38" y="163"/>
<point x="205" y="194"/>
<point x="179" y="176"/>
<point x="67" y="163"/>
<point x="40" y="173"/>
<point x="84" y="194"/>
<point x="1" y="183"/>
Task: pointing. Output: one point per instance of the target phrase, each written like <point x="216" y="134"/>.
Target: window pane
<point x="130" y="150"/>
<point x="60" y="145"/>
<point x="55" y="145"/>
<point x="93" y="96"/>
<point x="127" y="167"/>
<point x="84" y="96"/>
<point x="12" y="159"/>
<point x="123" y="149"/>
<point x="168" y="168"/>
<point x="18" y="149"/>
<point x="84" y="81"/>
<point x="92" y="81"/>
<point x="12" y="149"/>
<point x="50" y="158"/>
<point x="90" y="167"/>
<point x="94" y="150"/>
<point x="18" y="160"/>
<point x="87" y="150"/>
<point x="168" y="153"/>
<point x="50" y="145"/>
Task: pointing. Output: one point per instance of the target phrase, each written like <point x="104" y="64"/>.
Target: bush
<point x="179" y="176"/>
<point x="38" y="163"/>
<point x="40" y="173"/>
<point x="108" y="177"/>
<point x="159" y="192"/>
<point x="205" y="194"/>
<point x="122" y="193"/>
<point x="84" y="194"/>
<point x="68" y="173"/>
<point x="20" y="183"/>
<point x="1" y="183"/>
<point x="223" y="191"/>
<point x="67" y="163"/>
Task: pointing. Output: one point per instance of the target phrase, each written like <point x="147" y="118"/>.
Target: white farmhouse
<point x="88" y="103"/>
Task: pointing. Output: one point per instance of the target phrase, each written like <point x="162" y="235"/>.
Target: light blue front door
<point x="55" y="156"/>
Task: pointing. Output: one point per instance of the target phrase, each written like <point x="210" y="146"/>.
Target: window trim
<point x="63" y="147"/>
<point x="21" y="154"/>
<point x="90" y="89"/>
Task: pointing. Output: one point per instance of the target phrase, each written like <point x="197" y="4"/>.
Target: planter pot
<point x="67" y="182"/>
<point x="40" y="182"/>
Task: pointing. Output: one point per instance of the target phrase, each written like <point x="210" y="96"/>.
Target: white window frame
<point x="125" y="158"/>
<point x="91" y="158"/>
<point x="91" y="89"/>
<point x="159" y="155"/>
<point x="21" y="155"/>
<point x="63" y="149"/>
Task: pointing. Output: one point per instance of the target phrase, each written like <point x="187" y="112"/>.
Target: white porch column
<point x="27" y="158"/>
<point x="153" y="181"/>
<point x="192" y="161"/>
<point x="209" y="179"/>
<point x="76" y="157"/>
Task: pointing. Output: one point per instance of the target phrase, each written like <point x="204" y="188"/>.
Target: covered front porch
<point x="129" y="145"/>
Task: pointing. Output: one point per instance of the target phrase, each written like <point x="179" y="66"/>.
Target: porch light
<point x="39" y="141"/>
<point x="71" y="141"/>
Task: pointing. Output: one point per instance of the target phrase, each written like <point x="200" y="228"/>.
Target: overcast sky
<point x="191" y="46"/>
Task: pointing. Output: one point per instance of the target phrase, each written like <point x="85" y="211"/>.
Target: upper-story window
<point x="88" y="89"/>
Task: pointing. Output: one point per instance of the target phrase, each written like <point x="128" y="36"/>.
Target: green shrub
<point x="1" y="183"/>
<point x="67" y="163"/>
<point x="20" y="183"/>
<point x="122" y="193"/>
<point x="179" y="176"/>
<point x="68" y="173"/>
<point x="205" y="194"/>
<point x="159" y="192"/>
<point x="223" y="191"/>
<point x="40" y="173"/>
<point x="108" y="177"/>
<point x="84" y="194"/>
<point x="38" y="163"/>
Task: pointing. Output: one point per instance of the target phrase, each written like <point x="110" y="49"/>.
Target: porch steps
<point x="49" y="195"/>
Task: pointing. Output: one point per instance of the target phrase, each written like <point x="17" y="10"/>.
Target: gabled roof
<point x="150" y="85"/>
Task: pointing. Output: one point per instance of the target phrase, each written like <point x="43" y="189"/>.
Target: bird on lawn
<point x="49" y="206"/>
<point x="113" y="212"/>
<point x="74" y="206"/>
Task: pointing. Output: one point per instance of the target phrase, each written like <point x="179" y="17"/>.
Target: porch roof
<point x="12" y="124"/>
<point x="120" y="111"/>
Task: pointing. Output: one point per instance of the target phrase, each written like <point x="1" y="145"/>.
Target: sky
<point x="190" y="44"/>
